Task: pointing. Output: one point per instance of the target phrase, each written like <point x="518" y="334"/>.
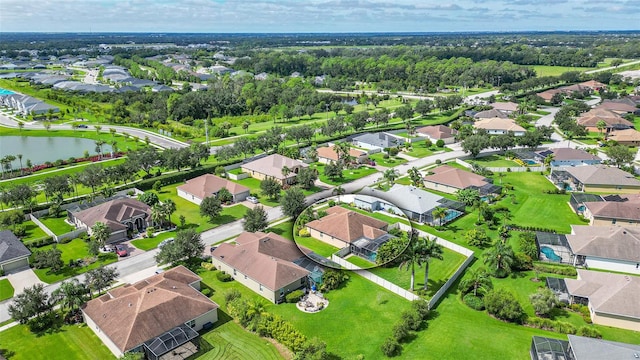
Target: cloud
<point x="311" y="15"/>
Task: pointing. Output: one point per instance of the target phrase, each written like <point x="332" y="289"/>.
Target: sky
<point x="278" y="16"/>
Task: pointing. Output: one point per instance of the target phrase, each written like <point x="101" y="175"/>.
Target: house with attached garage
<point x="448" y="179"/>
<point x="13" y="254"/>
<point x="612" y="248"/>
<point x="568" y="157"/>
<point x="268" y="264"/>
<point x="417" y="204"/>
<point x="499" y="126"/>
<point x="438" y="132"/>
<point x="377" y="142"/>
<point x="196" y="189"/>
<point x="158" y="316"/>
<point x="596" y="178"/>
<point x="270" y="167"/>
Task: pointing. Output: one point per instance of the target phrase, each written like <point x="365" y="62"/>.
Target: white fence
<point x="516" y="169"/>
<point x="70" y="235"/>
<point x="376" y="279"/>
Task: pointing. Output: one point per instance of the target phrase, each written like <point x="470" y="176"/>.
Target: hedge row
<point x="551" y="269"/>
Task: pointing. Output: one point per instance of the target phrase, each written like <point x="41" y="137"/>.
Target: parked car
<point x="164" y="242"/>
<point x="121" y="250"/>
<point x="252" y="199"/>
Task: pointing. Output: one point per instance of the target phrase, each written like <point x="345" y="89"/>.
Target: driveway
<point x="23" y="279"/>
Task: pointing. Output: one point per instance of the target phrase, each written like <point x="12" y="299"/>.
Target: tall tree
<point x="100" y="232"/>
<point x="255" y="219"/>
<point x="32" y="302"/>
<point x="620" y="155"/>
<point x="186" y="245"/>
<point x="500" y="257"/>
<point x="71" y="294"/>
<point x="429" y="249"/>
<point x="270" y="188"/>
<point x="416" y="177"/>
<point x="293" y="202"/>
<point x="390" y="175"/>
<point x="411" y="256"/>
<point x="211" y="208"/>
<point x="100" y="278"/>
<point x="476" y="280"/>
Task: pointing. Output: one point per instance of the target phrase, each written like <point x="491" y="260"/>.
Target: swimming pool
<point x="6" y="92"/>
<point x="452" y="214"/>
<point x="529" y="162"/>
<point x="550" y="254"/>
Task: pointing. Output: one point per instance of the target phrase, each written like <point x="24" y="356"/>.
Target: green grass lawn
<point x="494" y="161"/>
<point x="33" y="232"/>
<point x="74" y="250"/>
<point x="6" y="290"/>
<point x="229" y="340"/>
<point x="348" y="175"/>
<point x="419" y="150"/>
<point x="545" y="70"/>
<point x="439" y="272"/>
<point x="360" y="262"/>
<point x="317" y="246"/>
<point x="70" y="342"/>
<point x="57" y="224"/>
<point x="390" y="162"/>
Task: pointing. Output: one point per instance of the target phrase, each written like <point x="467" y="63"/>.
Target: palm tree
<point x="255" y="310"/>
<point x="100" y="233"/>
<point x="99" y="144"/>
<point x="342" y="150"/>
<point x="411" y="256"/>
<point x="477" y="279"/>
<point x="169" y="208"/>
<point x="285" y="171"/>
<point x="415" y="176"/>
<point x="114" y="147"/>
<point x="112" y="131"/>
<point x="601" y="125"/>
<point x="20" y="159"/>
<point x="429" y="249"/>
<point x="440" y="213"/>
<point x="500" y="257"/>
<point x="338" y="191"/>
<point x="390" y="175"/>
<point x="157" y="214"/>
<point x="20" y="126"/>
<point x="548" y="160"/>
<point x="75" y="126"/>
<point x="47" y="125"/>
<point x="98" y="128"/>
<point x="245" y="126"/>
<point x="71" y="294"/>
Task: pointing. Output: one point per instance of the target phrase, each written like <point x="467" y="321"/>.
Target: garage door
<point x="15" y="265"/>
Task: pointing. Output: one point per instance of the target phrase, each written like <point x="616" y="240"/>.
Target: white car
<point x="252" y="199"/>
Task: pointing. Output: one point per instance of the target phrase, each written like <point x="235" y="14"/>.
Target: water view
<point x="42" y="149"/>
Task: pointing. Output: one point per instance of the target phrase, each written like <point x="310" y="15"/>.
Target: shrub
<point x="20" y="230"/>
<point x="561" y="270"/>
<point x="421" y="306"/>
<point x="543" y="301"/>
<point x="107" y="256"/>
<point x="503" y="305"/>
<point x="294" y="296"/>
<point x="231" y="295"/>
<point x="440" y="143"/>
<point x="474" y="302"/>
<point x="527" y="242"/>
<point x="207" y="266"/>
<point x="332" y="203"/>
<point x="206" y="292"/>
<point x="385" y="156"/>
<point x="412" y="319"/>
<point x="522" y="262"/>
<point x="304" y="232"/>
<point x="390" y="347"/>
<point x="438" y="161"/>
<point x="400" y="331"/>
<point x="150" y="231"/>
<point x="393" y="151"/>
<point x="589" y="331"/>
<point x="551" y="325"/>
<point x="223" y="276"/>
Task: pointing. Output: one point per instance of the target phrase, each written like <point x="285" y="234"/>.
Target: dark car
<point x="121" y="250"/>
<point x="82" y="126"/>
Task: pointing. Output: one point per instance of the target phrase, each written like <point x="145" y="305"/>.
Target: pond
<point x="42" y="149"/>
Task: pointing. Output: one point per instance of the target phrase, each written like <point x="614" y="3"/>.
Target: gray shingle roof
<point x="10" y="247"/>
<point x="585" y="348"/>
<point x="407" y="198"/>
<point x="602" y="175"/>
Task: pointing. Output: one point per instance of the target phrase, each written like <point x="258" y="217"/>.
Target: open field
<point x="545" y="70"/>
<point x="348" y="175"/>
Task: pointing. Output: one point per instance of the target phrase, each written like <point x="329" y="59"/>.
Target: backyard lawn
<point x="390" y="162"/>
<point x="317" y="246"/>
<point x="439" y="272"/>
<point x="57" y="224"/>
<point x="33" y="232"/>
<point x="6" y="290"/>
<point x="69" y="342"/>
<point x="348" y="175"/>
<point x="493" y="161"/>
<point x="73" y="250"/>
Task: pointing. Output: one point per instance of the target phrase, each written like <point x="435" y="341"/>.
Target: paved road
<point x="613" y="67"/>
<point x="157" y="139"/>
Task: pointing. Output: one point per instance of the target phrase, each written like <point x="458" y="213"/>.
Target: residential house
<point x="120" y="215"/>
<point x="270" y="167"/>
<point x="344" y="228"/>
<point x="593" y="85"/>
<point x="448" y="179"/>
<point x="377" y="142"/>
<point x="327" y="154"/>
<point x="581" y="348"/>
<point x="620" y="107"/>
<point x="629" y="137"/>
<point x="195" y="190"/>
<point x="505" y="107"/>
<point x="612" y="121"/>
<point x="266" y="263"/>
<point x="612" y="248"/>
<point x="596" y="178"/>
<point x="624" y="212"/>
<point x="155" y="316"/>
<point x="547" y="95"/>
<point x="569" y="157"/>
<point x="13" y="254"/>
<point x="499" y="126"/>
<point x="417" y="204"/>
<point x="438" y="132"/>
<point x="612" y="298"/>
<point x="490" y="114"/>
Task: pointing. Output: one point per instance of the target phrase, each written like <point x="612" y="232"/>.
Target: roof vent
<point x="173" y="287"/>
<point x="130" y="304"/>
